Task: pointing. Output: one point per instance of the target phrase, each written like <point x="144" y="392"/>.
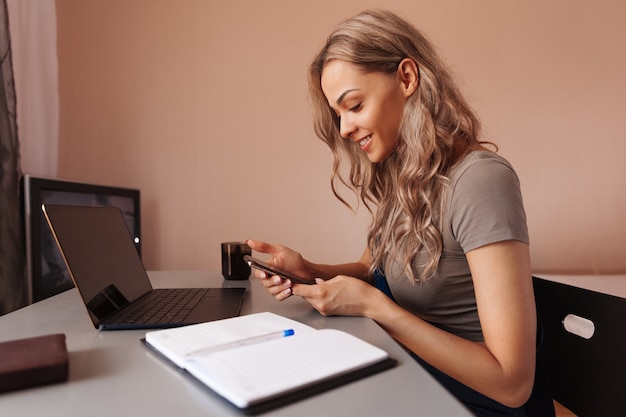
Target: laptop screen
<point x="100" y="254"/>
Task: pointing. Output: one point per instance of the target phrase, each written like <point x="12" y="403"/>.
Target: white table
<point x="113" y="374"/>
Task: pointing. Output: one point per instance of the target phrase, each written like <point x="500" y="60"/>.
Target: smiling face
<point x="369" y="106"/>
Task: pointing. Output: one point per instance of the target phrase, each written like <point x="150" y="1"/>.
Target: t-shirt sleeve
<point x="486" y="205"/>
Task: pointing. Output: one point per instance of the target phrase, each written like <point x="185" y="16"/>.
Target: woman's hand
<point x="285" y="259"/>
<point x="342" y="295"/>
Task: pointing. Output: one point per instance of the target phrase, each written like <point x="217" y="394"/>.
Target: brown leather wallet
<point x="33" y="361"/>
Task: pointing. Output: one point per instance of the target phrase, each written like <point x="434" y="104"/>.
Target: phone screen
<point x="272" y="270"/>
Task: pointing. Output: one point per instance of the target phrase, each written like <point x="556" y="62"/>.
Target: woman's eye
<point x="357" y="107"/>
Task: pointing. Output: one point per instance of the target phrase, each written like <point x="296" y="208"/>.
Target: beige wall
<point x="202" y="105"/>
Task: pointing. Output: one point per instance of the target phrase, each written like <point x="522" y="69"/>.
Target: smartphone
<point x="272" y="270"/>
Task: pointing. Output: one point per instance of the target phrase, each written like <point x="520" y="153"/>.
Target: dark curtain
<point x="12" y="288"/>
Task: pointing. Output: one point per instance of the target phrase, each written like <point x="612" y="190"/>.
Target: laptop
<point x="106" y="268"/>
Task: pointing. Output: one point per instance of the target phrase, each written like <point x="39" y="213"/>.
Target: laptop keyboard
<point x="164" y="306"/>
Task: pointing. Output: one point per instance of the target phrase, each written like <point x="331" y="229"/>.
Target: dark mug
<point x="233" y="264"/>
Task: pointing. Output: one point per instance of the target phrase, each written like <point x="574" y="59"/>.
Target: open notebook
<point x="242" y="360"/>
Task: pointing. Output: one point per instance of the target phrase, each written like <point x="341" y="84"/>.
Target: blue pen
<point x="242" y="342"/>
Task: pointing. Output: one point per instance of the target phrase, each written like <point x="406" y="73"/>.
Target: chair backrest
<point x="586" y="375"/>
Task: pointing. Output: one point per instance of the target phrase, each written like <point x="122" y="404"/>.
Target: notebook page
<point x="254" y="373"/>
<point x="177" y="342"/>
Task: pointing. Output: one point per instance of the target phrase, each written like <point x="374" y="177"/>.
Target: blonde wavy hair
<point x="439" y="127"/>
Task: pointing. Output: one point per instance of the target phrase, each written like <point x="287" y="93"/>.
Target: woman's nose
<point x="346" y="127"/>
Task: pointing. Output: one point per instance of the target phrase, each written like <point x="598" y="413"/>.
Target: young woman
<point x="446" y="270"/>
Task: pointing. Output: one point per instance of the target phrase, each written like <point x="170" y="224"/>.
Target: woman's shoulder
<point x="483" y="176"/>
<point x="480" y="157"/>
<point x="480" y="163"/>
<point x="485" y="203"/>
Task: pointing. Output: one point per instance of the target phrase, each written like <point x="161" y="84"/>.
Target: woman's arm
<point x="357" y="269"/>
<point x="502" y="367"/>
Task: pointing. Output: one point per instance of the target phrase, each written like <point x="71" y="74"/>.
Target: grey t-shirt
<point x="484" y="205"/>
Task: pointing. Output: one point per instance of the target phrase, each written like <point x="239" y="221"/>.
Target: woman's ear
<point x="409" y="76"/>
